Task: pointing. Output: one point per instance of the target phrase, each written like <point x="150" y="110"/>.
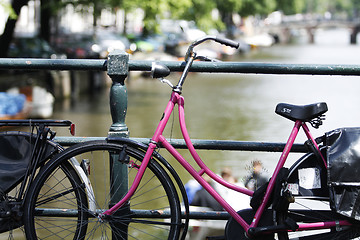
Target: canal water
<point x="235" y="106"/>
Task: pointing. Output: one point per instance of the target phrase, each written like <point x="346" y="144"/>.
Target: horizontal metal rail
<point x="177" y="66"/>
<point x="202" y="144"/>
<point x="208" y="215"/>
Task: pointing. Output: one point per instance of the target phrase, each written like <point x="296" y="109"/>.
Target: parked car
<point x="32" y="47"/>
<point x="167" y="42"/>
<point x="98" y="45"/>
<point x="105" y="41"/>
<point x="76" y="46"/>
<point x="187" y="29"/>
<point x="150" y="43"/>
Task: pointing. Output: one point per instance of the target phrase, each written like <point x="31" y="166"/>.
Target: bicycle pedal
<point x="289" y="197"/>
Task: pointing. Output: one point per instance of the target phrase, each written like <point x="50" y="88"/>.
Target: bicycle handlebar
<point x="191" y="56"/>
<point x="217" y="39"/>
<point x="228" y="42"/>
<point x="220" y="40"/>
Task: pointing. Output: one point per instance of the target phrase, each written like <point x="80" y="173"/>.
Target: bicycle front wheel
<point x="153" y="212"/>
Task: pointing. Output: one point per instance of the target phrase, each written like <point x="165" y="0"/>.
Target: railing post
<point x="117" y="66"/>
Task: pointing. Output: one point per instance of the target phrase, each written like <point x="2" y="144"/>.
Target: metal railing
<point x="118" y="67"/>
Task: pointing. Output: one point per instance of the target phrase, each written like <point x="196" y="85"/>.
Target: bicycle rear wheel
<point x="307" y="211"/>
<point x="312" y="204"/>
<point x="153" y="212"/>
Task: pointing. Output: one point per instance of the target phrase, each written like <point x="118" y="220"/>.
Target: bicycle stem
<point x="189" y="61"/>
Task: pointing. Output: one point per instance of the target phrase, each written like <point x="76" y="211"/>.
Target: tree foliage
<point x="201" y="11"/>
<point x="259" y="7"/>
<point x="8" y="9"/>
<point x="6" y="37"/>
<point x="289" y="7"/>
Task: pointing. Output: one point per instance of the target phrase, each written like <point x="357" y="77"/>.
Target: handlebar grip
<point x="227" y="42"/>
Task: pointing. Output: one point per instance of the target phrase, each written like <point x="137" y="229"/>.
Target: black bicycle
<point x="22" y="154"/>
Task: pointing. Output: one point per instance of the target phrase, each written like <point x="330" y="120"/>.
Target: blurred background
<point x="220" y="106"/>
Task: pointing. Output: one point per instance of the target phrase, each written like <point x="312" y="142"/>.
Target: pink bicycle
<point x="144" y="198"/>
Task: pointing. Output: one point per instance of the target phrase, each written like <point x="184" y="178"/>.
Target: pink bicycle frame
<point x="176" y="98"/>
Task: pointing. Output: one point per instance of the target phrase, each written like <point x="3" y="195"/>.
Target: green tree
<point x="226" y="9"/>
<point x="152" y="11"/>
<point x="291" y="6"/>
<point x="355" y="11"/>
<point x="177" y="9"/>
<point x="8" y="9"/>
<point x="344" y="9"/>
<point x="200" y="11"/>
<point x="338" y="8"/>
<point x="180" y="8"/>
<point x="259" y="7"/>
<point x="8" y="33"/>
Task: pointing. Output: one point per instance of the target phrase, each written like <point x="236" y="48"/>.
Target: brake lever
<point x="163" y="80"/>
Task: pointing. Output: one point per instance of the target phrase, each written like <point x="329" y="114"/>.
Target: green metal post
<point x="118" y="65"/>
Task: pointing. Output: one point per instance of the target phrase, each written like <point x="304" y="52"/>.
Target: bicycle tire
<point x="156" y="196"/>
<point x="12" y="227"/>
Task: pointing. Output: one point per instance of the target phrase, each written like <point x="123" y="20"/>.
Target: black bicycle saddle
<point x="304" y="113"/>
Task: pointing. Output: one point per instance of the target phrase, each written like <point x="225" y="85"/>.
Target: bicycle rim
<point x="307" y="210"/>
<point x="153" y="212"/>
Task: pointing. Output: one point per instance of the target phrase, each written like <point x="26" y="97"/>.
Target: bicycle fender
<point x="127" y="141"/>
<point x="86" y="181"/>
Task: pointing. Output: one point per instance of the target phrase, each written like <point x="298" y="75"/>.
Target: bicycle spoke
<point x="155" y="194"/>
<point x="307" y="212"/>
<point x="59" y="195"/>
<point x="62" y="231"/>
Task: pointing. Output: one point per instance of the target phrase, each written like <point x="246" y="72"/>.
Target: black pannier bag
<point x="343" y="159"/>
<point x="15" y="155"/>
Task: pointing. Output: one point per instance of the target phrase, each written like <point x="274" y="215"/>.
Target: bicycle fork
<point x="135" y="184"/>
<point x="148" y="155"/>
